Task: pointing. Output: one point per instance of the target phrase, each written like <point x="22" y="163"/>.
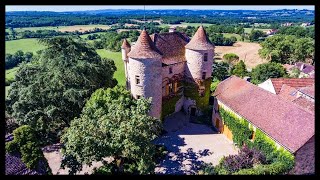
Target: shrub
<point x="231" y="58"/>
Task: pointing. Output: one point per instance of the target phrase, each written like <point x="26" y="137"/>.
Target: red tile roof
<point x="171" y="45"/>
<point x="125" y="44"/>
<point x="304" y="103"/>
<point x="287" y="92"/>
<point x="282" y="120"/>
<point x="293" y="82"/>
<point x="144" y="48"/>
<point x="200" y="41"/>
<point x="308" y="90"/>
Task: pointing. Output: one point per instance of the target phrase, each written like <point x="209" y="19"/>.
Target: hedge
<point x="280" y="160"/>
<point x="168" y="106"/>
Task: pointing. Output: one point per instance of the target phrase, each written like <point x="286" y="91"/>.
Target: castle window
<point x="170" y="88"/>
<point x="138" y="96"/>
<point x="203" y="75"/>
<point x="138" y="80"/>
<point x="170" y="70"/>
<point x="205" y="57"/>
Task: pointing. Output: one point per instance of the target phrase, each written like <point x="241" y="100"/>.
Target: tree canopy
<point x="287" y="49"/>
<point x="220" y="70"/>
<point x="240" y="69"/>
<point x="113" y="124"/>
<point x="262" y="72"/>
<point x="51" y="90"/>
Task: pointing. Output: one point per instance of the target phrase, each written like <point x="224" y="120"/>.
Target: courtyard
<point x="190" y="145"/>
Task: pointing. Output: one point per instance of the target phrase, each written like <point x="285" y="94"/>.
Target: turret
<point x="125" y="49"/>
<point x="145" y="72"/>
<point x="199" y="55"/>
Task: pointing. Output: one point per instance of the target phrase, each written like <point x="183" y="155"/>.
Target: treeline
<point x="37" y="19"/>
<point x="298" y="31"/>
<point x="112" y="40"/>
<point x="12" y="60"/>
<point x="45" y="33"/>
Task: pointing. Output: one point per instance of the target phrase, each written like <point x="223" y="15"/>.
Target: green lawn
<point x="25" y="45"/>
<point x="248" y="30"/>
<point x="86" y="35"/>
<point x="228" y="35"/>
<point x="116" y="57"/>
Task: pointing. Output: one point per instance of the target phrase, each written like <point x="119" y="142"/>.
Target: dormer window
<point x="170" y="70"/>
<point x="205" y="57"/>
<point x="137" y="80"/>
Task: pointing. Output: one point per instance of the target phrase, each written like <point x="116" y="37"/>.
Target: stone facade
<point x="160" y="74"/>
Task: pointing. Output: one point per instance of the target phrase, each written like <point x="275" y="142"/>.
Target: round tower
<point x="199" y="55"/>
<point x="125" y="49"/>
<point x="145" y="72"/>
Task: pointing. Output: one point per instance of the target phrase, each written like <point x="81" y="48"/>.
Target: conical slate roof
<point x="200" y="41"/>
<point x="144" y="48"/>
<point x="125" y="44"/>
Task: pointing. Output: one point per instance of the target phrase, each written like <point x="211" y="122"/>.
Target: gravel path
<point x="190" y="145"/>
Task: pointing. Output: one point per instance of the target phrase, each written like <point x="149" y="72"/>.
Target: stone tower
<point x="144" y="72"/>
<point x="199" y="55"/>
<point x="125" y="49"/>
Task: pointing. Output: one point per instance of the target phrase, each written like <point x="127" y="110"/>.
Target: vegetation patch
<point x="277" y="160"/>
<point x="168" y="106"/>
<point x="191" y="91"/>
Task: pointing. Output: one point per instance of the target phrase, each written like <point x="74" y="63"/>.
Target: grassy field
<point x="116" y="57"/>
<point x="228" y="35"/>
<point x="248" y="30"/>
<point x="86" y="35"/>
<point x="25" y="45"/>
<point x="64" y="28"/>
<point x="247" y="51"/>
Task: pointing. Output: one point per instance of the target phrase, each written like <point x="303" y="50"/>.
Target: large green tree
<point x="240" y="69"/>
<point x="265" y="71"/>
<point x="287" y="49"/>
<point x="113" y="124"/>
<point x="255" y="35"/>
<point x="220" y="70"/>
<point x="51" y="91"/>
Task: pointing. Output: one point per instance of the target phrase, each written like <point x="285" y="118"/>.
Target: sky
<point x="86" y="7"/>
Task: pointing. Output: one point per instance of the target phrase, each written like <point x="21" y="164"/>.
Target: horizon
<point x="70" y="8"/>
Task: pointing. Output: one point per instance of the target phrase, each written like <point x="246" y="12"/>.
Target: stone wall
<point x="196" y="65"/>
<point x="150" y="85"/>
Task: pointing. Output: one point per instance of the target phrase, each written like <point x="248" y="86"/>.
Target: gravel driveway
<point x="190" y="145"/>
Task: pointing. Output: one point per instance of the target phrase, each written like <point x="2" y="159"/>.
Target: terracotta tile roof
<point x="144" y="48"/>
<point x="288" y="93"/>
<point x="125" y="44"/>
<point x="293" y="82"/>
<point x="200" y="41"/>
<point x="171" y="45"/>
<point x="305" y="104"/>
<point x="282" y="120"/>
<point x="309" y="90"/>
